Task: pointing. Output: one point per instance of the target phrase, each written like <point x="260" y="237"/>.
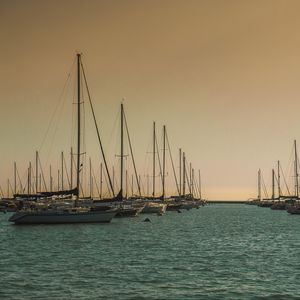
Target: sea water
<point x="221" y="251"/>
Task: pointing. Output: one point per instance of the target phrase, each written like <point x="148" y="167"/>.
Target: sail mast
<point x="126" y="184"/>
<point x="180" y="171"/>
<point x="78" y="128"/>
<point x="273" y="184"/>
<point x="101" y="181"/>
<point x="15" y="178"/>
<point x="71" y="169"/>
<point x="296" y="171"/>
<point x="122" y="149"/>
<point x="193" y="176"/>
<point x="50" y="179"/>
<point x="278" y="180"/>
<point x="259" y="185"/>
<point x="91" y="179"/>
<point x="200" y="185"/>
<point x="153" y="189"/>
<point x="190" y="187"/>
<point x="164" y="161"/>
<point x="183" y="175"/>
<point x="36" y="171"/>
<point x="62" y="170"/>
<point x="29" y="180"/>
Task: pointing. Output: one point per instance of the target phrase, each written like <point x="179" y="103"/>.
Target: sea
<point x="219" y="251"/>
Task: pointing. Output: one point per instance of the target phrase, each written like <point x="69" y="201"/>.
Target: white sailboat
<point x="59" y="215"/>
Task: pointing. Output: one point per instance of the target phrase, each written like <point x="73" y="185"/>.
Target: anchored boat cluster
<point x="290" y="201"/>
<point x="36" y="206"/>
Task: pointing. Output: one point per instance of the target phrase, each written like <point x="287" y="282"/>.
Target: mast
<point x="259" y="185"/>
<point x="71" y="169"/>
<point x="58" y="180"/>
<point x="164" y="161"/>
<point x="15" y="178"/>
<point x="192" y="183"/>
<point x="36" y="171"/>
<point x="278" y="181"/>
<point x="126" y="184"/>
<point x="91" y="178"/>
<point x="296" y="171"/>
<point x="113" y="177"/>
<point x="273" y="184"/>
<point x="62" y="170"/>
<point x="200" y="185"/>
<point x="101" y="181"/>
<point x="190" y="187"/>
<point x="180" y="154"/>
<point x="7" y="188"/>
<point x="154" y="137"/>
<point x="183" y="166"/>
<point x="78" y="128"/>
<point x="29" y="180"/>
<point x="147" y="185"/>
<point x="132" y="184"/>
<point x="51" y="180"/>
<point x="122" y="150"/>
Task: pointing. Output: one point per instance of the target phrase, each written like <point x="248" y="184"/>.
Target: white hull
<point x="154" y="208"/>
<point x="62" y="217"/>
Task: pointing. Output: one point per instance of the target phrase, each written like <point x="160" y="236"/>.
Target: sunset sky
<point x="222" y="75"/>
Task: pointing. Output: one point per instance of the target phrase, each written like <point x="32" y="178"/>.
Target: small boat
<point x="154" y="208"/>
<point x="123" y="212"/>
<point x="294" y="209"/>
<point x="279" y="205"/>
<point x="172" y="206"/>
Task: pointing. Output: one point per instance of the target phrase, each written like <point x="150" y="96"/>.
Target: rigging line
<point x="196" y="189"/>
<point x="55" y="110"/>
<point x="280" y="191"/>
<point x="159" y="162"/>
<point x="264" y="187"/>
<point x="11" y="188"/>
<point x="187" y="177"/>
<point x="176" y="181"/>
<point x="66" y="170"/>
<point x="98" y="133"/>
<point x="20" y="182"/>
<point x="286" y="185"/>
<point x="59" y="117"/>
<point x="32" y="186"/>
<point x="107" y="185"/>
<point x="290" y="166"/>
<point x="42" y="172"/>
<point x="1" y="191"/>
<point x="133" y="161"/>
<point x="94" y="177"/>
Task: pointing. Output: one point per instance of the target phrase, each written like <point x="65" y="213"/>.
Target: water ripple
<point x="216" y="252"/>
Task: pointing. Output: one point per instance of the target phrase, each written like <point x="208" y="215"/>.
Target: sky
<point x="223" y="76"/>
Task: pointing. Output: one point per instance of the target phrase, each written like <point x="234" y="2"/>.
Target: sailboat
<point x="280" y="204"/>
<point x="152" y="206"/>
<point x="126" y="209"/>
<point x="50" y="214"/>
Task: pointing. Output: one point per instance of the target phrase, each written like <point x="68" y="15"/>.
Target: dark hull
<point x="47" y="217"/>
<point x="127" y="212"/>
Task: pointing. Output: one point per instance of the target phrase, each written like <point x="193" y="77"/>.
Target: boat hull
<point x="127" y="212"/>
<point x="294" y="210"/>
<point x="22" y="218"/>
<point x="153" y="208"/>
